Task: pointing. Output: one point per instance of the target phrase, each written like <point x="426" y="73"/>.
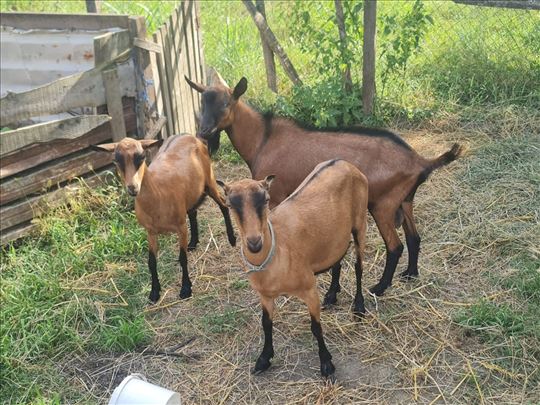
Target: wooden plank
<point x="26" y="158"/>
<point x="198" y="31"/>
<point x="30" y="21"/>
<point x="114" y="103"/>
<point x="187" y="12"/>
<point x="17" y="233"/>
<point x="146" y="95"/>
<point x="180" y="69"/>
<point x="23" y="211"/>
<point x="149" y="46"/>
<point x="157" y="127"/>
<point x="68" y="128"/>
<point x="514" y="4"/>
<point x="368" y="68"/>
<point x="50" y="175"/>
<point x="166" y="40"/>
<point x="164" y="87"/>
<point x="176" y="69"/>
<point x="109" y="45"/>
<point x="80" y="90"/>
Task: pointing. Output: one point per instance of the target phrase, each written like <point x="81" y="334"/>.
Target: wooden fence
<point x="180" y="43"/>
<point x="135" y="88"/>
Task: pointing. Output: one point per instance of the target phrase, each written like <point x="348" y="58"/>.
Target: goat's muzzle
<point x="254" y="244"/>
<point x="132" y="190"/>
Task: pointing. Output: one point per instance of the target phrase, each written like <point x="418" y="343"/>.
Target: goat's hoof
<point x="329" y="300"/>
<point x="192" y="245"/>
<point x="328" y="370"/>
<point x="378" y="289"/>
<point x="359" y="311"/>
<point x="261" y="366"/>
<point x="153" y="297"/>
<point x="185" y="292"/>
<point x="408" y="275"/>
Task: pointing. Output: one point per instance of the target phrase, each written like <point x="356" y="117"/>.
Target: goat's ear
<point x="148" y="143"/>
<point x="104" y="147"/>
<point x="267" y="182"/>
<point x="223" y="186"/>
<point x="195" y="86"/>
<point x="240" y="88"/>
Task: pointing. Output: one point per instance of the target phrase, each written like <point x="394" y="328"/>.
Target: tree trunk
<point x="347" y="81"/>
<point x="368" y="69"/>
<point x="269" y="62"/>
<point x="272" y="42"/>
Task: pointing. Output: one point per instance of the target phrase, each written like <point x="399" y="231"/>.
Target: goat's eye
<point x="138" y="159"/>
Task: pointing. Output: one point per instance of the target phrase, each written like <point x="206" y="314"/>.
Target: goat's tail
<point x="445" y="158"/>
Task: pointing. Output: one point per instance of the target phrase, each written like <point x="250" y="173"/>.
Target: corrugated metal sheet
<point x="32" y="58"/>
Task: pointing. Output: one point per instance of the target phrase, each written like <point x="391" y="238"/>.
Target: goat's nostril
<point x="254" y="244"/>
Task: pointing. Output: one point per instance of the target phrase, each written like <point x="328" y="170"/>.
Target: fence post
<point x="368" y="68"/>
<point x="269" y="62"/>
<point x="146" y="96"/>
<point x="92" y="6"/>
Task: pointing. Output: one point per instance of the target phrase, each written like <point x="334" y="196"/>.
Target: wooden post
<point x="269" y="62"/>
<point x="146" y="95"/>
<point x="368" y="69"/>
<point x="347" y="81"/>
<point x="272" y="42"/>
<point x="114" y="103"/>
<point x="92" y="6"/>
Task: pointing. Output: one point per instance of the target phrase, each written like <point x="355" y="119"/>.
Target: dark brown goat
<point x="173" y="186"/>
<point x="274" y="145"/>
<point x="307" y="233"/>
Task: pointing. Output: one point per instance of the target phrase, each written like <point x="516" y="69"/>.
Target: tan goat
<point x="175" y="184"/>
<point x="306" y="234"/>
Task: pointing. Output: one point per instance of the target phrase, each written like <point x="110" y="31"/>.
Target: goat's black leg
<point x="185" y="290"/>
<point x="394" y="249"/>
<point x="194" y="229"/>
<point x="330" y="297"/>
<point x="359" y="307"/>
<point x="152" y="266"/>
<point x="214" y="194"/>
<point x="413" y="241"/>
<point x="263" y="362"/>
<point x="311" y="298"/>
<point x="228" y="225"/>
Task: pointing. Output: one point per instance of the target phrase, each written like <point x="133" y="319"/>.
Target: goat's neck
<point x="257" y="258"/>
<point x="246" y="132"/>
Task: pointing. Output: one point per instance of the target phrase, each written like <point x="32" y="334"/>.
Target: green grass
<point x="58" y="290"/>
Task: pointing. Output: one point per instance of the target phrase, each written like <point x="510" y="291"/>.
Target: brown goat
<point x="175" y="184"/>
<point x="307" y="233"/>
<point x="274" y="145"/>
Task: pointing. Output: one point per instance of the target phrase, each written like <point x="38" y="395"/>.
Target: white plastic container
<point x="135" y="390"/>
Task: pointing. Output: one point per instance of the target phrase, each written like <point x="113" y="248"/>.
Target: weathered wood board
<point x="68" y="128"/>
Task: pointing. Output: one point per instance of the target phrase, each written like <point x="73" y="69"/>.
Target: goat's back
<point x="321" y="213"/>
<point x="291" y="153"/>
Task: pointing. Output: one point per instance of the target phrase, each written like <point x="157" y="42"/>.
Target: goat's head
<point x="217" y="107"/>
<point x="248" y="201"/>
<point x="129" y="158"/>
